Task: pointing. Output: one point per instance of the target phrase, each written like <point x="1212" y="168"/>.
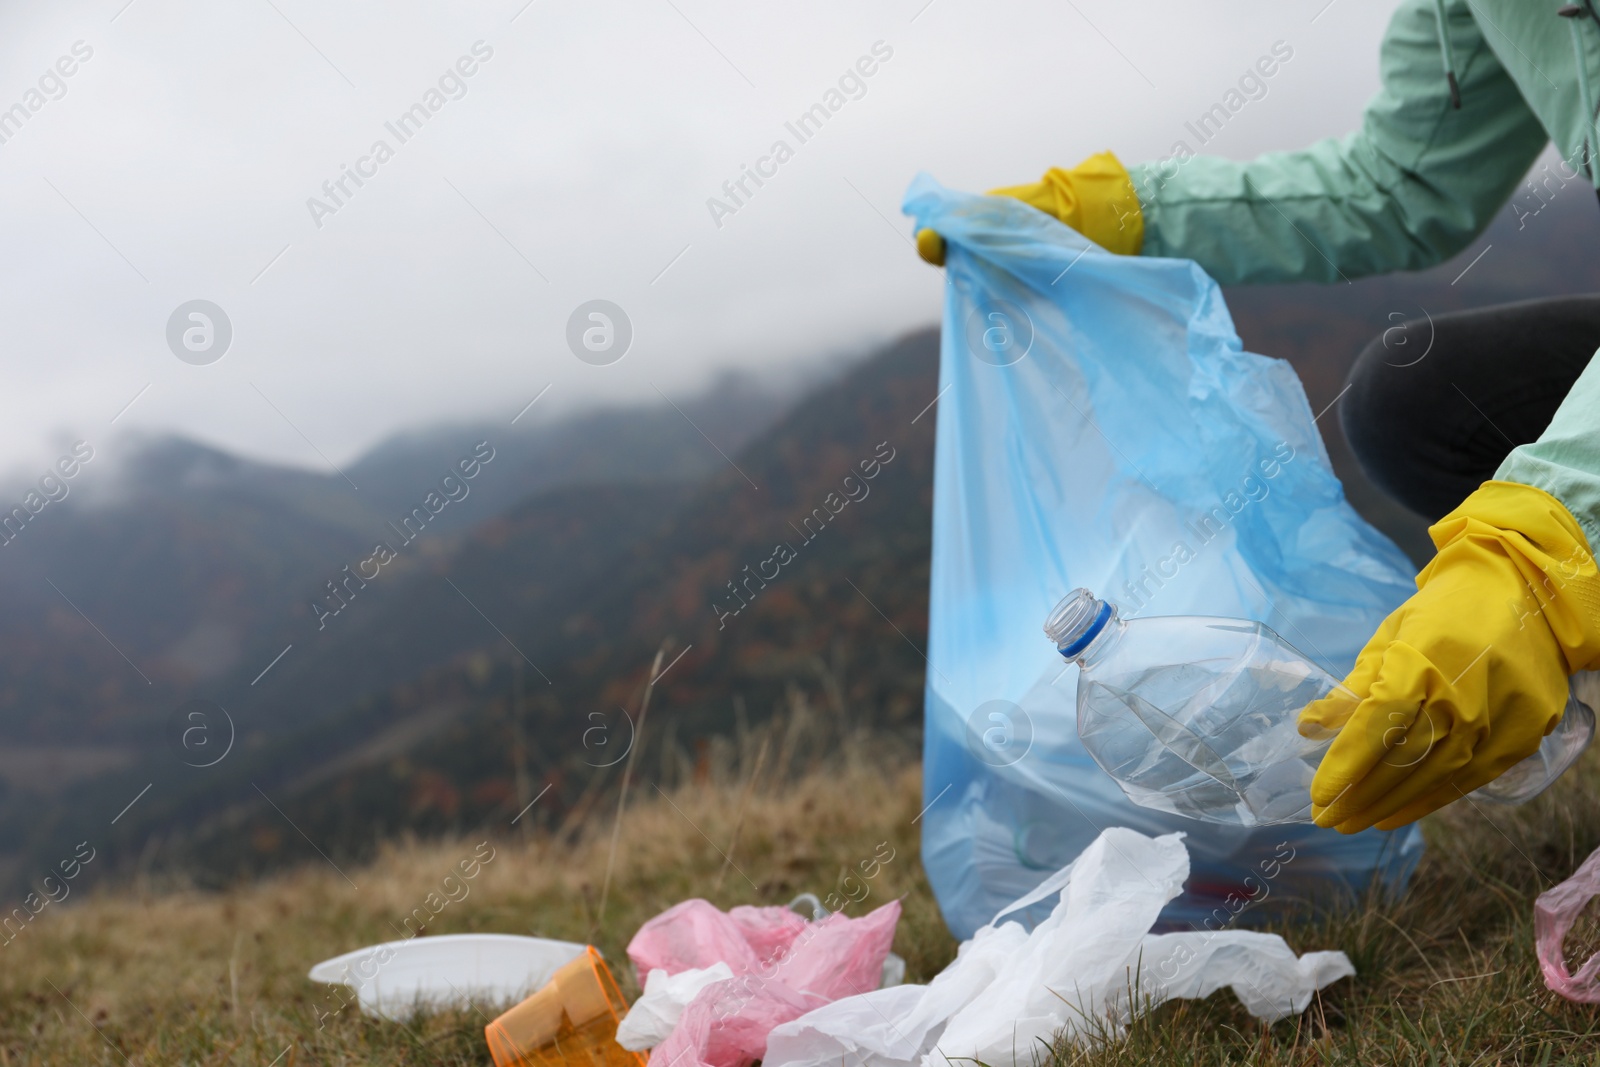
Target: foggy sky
<point x="575" y="163"/>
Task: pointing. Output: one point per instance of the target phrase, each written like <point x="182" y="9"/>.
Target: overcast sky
<point x="575" y="163"/>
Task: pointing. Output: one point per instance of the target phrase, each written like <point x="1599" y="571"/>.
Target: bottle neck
<point x="1101" y="643"/>
<point x="1082" y="627"/>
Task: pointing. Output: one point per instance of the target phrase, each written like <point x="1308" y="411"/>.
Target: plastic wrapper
<point x="655" y="1014"/>
<point x="1554" y="912"/>
<point x="697" y="934"/>
<point x="1081" y="973"/>
<point x="1099" y="425"/>
<point x="726" y="1023"/>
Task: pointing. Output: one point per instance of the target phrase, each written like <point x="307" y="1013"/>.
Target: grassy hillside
<point x="166" y="975"/>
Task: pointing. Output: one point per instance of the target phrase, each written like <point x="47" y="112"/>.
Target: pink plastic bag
<point x="1553" y="915"/>
<point x="695" y="934"/>
<point x="783" y="968"/>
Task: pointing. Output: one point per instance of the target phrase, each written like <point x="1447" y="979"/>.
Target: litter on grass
<point x="783" y="967"/>
<point x="1554" y="913"/>
<point x="723" y="989"/>
<point x="655" y="1014"/>
<point x="570" y="1022"/>
<point x="395" y="978"/>
<point x="1082" y="973"/>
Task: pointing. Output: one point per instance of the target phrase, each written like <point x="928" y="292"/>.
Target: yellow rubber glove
<point x="1464" y="679"/>
<point x="1096" y="198"/>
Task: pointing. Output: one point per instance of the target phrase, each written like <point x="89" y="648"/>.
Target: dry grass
<point x="175" y="976"/>
<point x="1447" y="975"/>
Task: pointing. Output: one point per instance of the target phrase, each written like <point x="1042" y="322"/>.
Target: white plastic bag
<point x="1082" y="972"/>
<point x="655" y="1014"/>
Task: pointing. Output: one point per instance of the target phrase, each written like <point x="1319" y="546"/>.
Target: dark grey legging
<point x="1433" y="406"/>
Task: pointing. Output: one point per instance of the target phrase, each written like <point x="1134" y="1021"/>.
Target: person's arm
<point x="1565" y="460"/>
<point x="1412" y="187"/>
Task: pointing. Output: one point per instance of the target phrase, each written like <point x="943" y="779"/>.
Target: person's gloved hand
<point x="1096" y="198"/>
<point x="1464" y="679"/>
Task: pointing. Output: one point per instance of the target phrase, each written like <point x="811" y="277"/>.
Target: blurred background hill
<point x="501" y="658"/>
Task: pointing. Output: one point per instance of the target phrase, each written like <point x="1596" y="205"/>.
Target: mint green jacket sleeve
<point x="1565" y="460"/>
<point x="1412" y="187"/>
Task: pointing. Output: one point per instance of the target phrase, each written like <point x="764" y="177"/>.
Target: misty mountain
<point x="184" y="566"/>
<point x="396" y="714"/>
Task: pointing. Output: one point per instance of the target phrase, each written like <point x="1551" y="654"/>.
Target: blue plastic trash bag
<point x="1101" y="426"/>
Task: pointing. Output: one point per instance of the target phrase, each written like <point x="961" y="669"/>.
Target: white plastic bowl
<point x="452" y="971"/>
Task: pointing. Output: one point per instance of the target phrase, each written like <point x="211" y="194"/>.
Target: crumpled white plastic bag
<point x="657" y="1011"/>
<point x="1083" y="972"/>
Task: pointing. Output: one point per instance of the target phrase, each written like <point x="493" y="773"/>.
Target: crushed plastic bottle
<point x="1197" y="716"/>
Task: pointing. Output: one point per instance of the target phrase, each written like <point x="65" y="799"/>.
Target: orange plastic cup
<point x="571" y="1021"/>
